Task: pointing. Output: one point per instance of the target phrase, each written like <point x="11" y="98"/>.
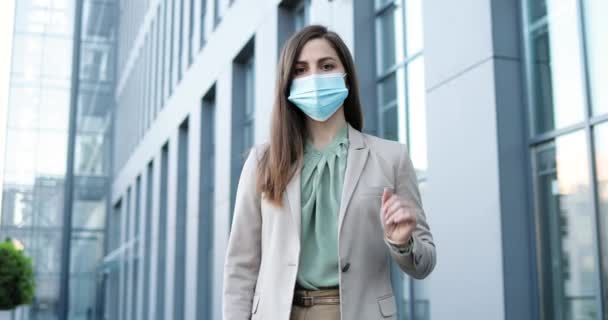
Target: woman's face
<point x="317" y="57"/>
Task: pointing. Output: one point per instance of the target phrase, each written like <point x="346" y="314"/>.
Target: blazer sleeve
<point x="243" y="255"/>
<point x="419" y="257"/>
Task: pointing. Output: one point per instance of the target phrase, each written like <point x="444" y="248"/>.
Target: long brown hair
<point x="288" y="124"/>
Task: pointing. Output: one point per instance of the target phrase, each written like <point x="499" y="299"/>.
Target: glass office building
<point x="57" y="158"/>
<point x="501" y="104"/>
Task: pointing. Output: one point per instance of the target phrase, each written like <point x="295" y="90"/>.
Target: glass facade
<point x="402" y="114"/>
<point x="400" y="76"/>
<point x="92" y="150"/>
<point x="36" y="143"/>
<point x="567" y="133"/>
<point x="596" y="31"/>
<point x="47" y="180"/>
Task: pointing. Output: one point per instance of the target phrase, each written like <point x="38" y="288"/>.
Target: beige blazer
<point x="263" y="250"/>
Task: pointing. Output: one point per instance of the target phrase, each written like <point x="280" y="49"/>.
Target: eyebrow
<point x="320" y="60"/>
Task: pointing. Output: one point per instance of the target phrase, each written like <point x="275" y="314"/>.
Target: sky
<point x="6" y="37"/>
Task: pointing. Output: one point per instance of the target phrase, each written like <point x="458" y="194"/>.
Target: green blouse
<point x="322" y="178"/>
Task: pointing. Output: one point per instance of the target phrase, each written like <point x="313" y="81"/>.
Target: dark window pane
<point x="390" y="123"/>
<point x="568" y="273"/>
<point x="601" y="163"/>
<point x="387" y="42"/>
<point x="556" y="71"/>
<point x="388" y="90"/>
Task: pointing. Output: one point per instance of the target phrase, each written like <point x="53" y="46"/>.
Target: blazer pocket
<point x="254" y="305"/>
<point x="387" y="306"/>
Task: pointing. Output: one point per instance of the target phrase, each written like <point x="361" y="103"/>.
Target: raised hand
<point x="398" y="217"/>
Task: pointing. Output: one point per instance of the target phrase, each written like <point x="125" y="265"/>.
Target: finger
<point x="388" y="192"/>
<point x="395" y="205"/>
<point x="390" y="214"/>
<point x="407" y="218"/>
<point x="389" y="202"/>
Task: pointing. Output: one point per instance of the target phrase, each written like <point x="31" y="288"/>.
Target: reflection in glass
<point x="567" y="260"/>
<point x="389" y="39"/>
<point x="601" y="164"/>
<point x="249" y="120"/>
<point x="301" y="14"/>
<point x="413" y="27"/>
<point x="417" y="113"/>
<point x="596" y="31"/>
<point x="555" y="62"/>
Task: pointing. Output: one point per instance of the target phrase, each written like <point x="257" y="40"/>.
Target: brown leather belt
<point x="309" y="301"/>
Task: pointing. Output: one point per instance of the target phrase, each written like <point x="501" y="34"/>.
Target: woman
<point x="322" y="208"/>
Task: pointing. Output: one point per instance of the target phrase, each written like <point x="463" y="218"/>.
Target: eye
<point x="298" y="71"/>
<point x="327" y="67"/>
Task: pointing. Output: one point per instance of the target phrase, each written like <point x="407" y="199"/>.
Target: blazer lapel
<point x="355" y="161"/>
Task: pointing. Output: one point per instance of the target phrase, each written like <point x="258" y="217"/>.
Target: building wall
<point x="467" y="134"/>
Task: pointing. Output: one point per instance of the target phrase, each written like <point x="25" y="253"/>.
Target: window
<point x="567" y="132"/>
<point x="191" y="31"/>
<point x="568" y="273"/>
<point x="126" y="268"/>
<point x="162" y="235"/>
<point x="556" y="82"/>
<point x="180" y="222"/>
<point x="219" y="9"/>
<point x="301" y="14"/>
<point x="596" y="30"/>
<point x="243" y="112"/>
<point x="147" y="239"/>
<point x="181" y="42"/>
<point x="400" y="77"/>
<point x="292" y="16"/>
<point x="203" y="21"/>
<point x="135" y="249"/>
<point x="402" y="114"/>
<point x="601" y="163"/>
<point x="207" y="206"/>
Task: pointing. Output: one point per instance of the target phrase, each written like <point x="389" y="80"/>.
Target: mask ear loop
<point x="345" y="82"/>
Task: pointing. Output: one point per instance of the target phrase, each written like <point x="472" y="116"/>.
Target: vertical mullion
<point x="144" y="83"/>
<point x="601" y="305"/>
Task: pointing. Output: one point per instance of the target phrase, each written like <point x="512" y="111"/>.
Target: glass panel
<point x="389" y="35"/>
<point x="401" y="284"/>
<point x="52" y="153"/>
<point x="390" y="123"/>
<point x="568" y="273"/>
<point x="381" y="3"/>
<point x="388" y="90"/>
<point x="20" y="156"/>
<point x="596" y="28"/>
<point x="601" y="163"/>
<point x="86" y="253"/>
<point x="556" y="71"/>
<point x="422" y="302"/>
<point x="27" y="57"/>
<point x="413" y="27"/>
<point x="24" y="103"/>
<point x="57" y="58"/>
<point x="54" y="111"/>
<point x="417" y="114"/>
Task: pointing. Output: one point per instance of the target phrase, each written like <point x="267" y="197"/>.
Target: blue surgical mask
<point x="319" y="95"/>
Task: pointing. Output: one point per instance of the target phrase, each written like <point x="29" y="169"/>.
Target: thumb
<point x="388" y="192"/>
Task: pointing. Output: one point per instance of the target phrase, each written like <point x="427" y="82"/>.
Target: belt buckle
<point x="307" y="301"/>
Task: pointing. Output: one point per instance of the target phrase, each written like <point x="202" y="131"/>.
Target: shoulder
<point x="386" y="148"/>
<point x="257" y="151"/>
